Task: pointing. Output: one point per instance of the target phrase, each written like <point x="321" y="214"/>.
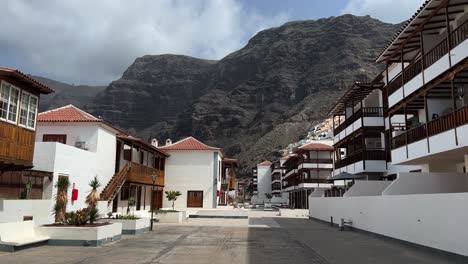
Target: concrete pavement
<point x="260" y="239"/>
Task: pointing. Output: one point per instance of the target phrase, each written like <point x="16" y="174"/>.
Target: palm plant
<point x="172" y="196"/>
<point x="61" y="199"/>
<point x="93" y="196"/>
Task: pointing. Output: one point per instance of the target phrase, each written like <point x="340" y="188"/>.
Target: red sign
<point x="74" y="194"/>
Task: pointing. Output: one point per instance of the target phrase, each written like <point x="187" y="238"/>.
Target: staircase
<point x="113" y="186"/>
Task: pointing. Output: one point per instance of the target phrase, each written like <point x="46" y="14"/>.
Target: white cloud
<point x="390" y="11"/>
<point x="93" y="42"/>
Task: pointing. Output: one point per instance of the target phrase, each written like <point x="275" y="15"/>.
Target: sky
<point x="93" y="42"/>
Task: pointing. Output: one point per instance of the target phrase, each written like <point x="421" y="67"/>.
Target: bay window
<point x="9" y="100"/>
<point x="28" y="110"/>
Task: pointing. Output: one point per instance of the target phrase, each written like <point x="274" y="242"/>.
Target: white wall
<point x="79" y="165"/>
<point x="434" y="220"/>
<point x="190" y="170"/>
<point x="75" y="132"/>
<point x="424" y="183"/>
<point x="105" y="156"/>
<point x="264" y="181"/>
<point x="15" y="210"/>
<point x="367" y="188"/>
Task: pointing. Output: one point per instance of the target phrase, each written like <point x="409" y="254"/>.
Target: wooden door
<point x="157" y="199"/>
<point x="139" y="194"/>
<point x="115" y="204"/>
<point x="194" y="198"/>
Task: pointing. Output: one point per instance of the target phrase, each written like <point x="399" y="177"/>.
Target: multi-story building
<point x="403" y="138"/>
<point x="19" y="101"/>
<point x="74" y="144"/>
<point x="276" y="178"/>
<point x="307" y="169"/>
<point x="261" y="183"/>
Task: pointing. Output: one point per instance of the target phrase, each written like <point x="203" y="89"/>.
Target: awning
<point x="356" y="94"/>
<point x="346" y="176"/>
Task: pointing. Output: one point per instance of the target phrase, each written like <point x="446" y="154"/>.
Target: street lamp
<point x="153" y="178"/>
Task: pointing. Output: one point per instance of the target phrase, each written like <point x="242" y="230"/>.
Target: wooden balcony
<point x="362" y="112"/>
<point x="432" y="128"/>
<point x="456" y="37"/>
<point x="140" y="173"/>
<point x="16" y="146"/>
<point x="360" y="155"/>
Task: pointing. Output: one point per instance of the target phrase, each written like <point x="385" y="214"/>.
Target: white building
<point x="74" y="144"/>
<point x="307" y="169"/>
<point x="195" y="170"/>
<point x="416" y="131"/>
<point x="262" y="182"/>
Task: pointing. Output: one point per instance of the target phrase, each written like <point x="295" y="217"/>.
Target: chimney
<point x="154" y="143"/>
<point x="168" y="142"/>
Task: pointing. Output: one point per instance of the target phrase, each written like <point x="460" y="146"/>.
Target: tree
<point x="93" y="196"/>
<point x="61" y="199"/>
<point x="172" y="196"/>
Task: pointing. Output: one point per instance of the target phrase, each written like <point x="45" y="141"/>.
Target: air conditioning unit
<point x="81" y="145"/>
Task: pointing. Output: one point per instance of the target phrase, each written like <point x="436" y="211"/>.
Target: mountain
<point x="255" y="100"/>
<point x="78" y="95"/>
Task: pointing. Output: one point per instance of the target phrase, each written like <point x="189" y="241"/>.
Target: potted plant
<point x="171" y="216"/>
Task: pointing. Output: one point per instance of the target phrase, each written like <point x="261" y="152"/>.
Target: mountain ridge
<point x="253" y="101"/>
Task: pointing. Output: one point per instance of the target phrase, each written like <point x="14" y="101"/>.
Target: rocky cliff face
<point x="255" y="100"/>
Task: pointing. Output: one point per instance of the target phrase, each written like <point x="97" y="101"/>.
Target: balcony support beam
<point x="406" y="129"/>
<point x="426" y="112"/>
<point x="448" y="31"/>
<point x="454" y="108"/>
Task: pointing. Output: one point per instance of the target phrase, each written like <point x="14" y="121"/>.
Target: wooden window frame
<point x="195" y="191"/>
<point x="64" y="136"/>
<point x="18" y="101"/>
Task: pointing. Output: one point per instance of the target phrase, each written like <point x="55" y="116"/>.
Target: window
<point x="28" y="110"/>
<point x="55" y="138"/>
<point x="9" y="97"/>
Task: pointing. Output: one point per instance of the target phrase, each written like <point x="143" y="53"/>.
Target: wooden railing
<point x="434" y="127"/>
<point x="276" y="177"/>
<point x="316" y="161"/>
<point x="16" y="143"/>
<point x="142" y="174"/>
<point x="457" y="36"/>
<point x="362" y="112"/>
<point x="113" y="186"/>
<point x="359" y="155"/>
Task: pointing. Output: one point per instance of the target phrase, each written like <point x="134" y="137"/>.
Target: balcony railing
<point x="434" y="127"/>
<point x="316" y="161"/>
<point x="362" y="112"/>
<point x="457" y="36"/>
<point x="359" y="155"/>
<point x="296" y="182"/>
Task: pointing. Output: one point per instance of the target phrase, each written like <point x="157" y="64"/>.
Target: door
<point x="194" y="198"/>
<point x="157" y="199"/>
<point x="138" y="198"/>
<point x="115" y="204"/>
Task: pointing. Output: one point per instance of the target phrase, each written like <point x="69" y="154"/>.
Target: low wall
<point x="294" y="213"/>
<point x="15" y="210"/>
<point x="426" y="183"/>
<point x="367" y="188"/>
<point x="433" y="220"/>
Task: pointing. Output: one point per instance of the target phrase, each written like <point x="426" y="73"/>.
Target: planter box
<point x="171" y="217"/>
<point x="132" y="227"/>
<point x="82" y="236"/>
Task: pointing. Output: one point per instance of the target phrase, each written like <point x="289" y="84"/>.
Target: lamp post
<point x="153" y="178"/>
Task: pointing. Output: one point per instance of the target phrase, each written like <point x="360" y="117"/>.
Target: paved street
<point x="256" y="240"/>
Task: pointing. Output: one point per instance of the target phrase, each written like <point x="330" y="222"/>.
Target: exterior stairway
<point x="113" y="186"/>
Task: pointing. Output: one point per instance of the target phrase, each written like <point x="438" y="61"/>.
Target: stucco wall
<point x="367" y="188"/>
<point x="263" y="181"/>
<point x="434" y="220"/>
<point x="190" y="170"/>
<point x="425" y="183"/>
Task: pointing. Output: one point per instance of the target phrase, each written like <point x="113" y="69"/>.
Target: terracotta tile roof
<point x="24" y="77"/>
<point x="189" y="143"/>
<point x="316" y="146"/>
<point x="265" y="163"/>
<point x="68" y="113"/>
